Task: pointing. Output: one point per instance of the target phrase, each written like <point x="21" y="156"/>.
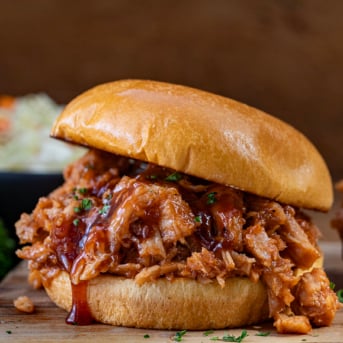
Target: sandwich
<point x="186" y="212"/>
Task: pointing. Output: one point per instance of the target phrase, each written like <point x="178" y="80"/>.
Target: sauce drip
<point x="80" y="313"/>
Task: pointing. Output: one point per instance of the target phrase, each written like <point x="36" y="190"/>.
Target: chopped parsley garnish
<point x="211" y="198"/>
<point x="76" y="222"/>
<point x="231" y="338"/>
<point x="104" y="209"/>
<point x="178" y="336"/>
<point x="77" y="209"/>
<point x="86" y="204"/>
<point x="146" y="336"/>
<point x="174" y="177"/>
<point x="208" y="332"/>
<point x="77" y="191"/>
<point x="9" y="332"/>
<point x="83" y="190"/>
<point x="332" y="285"/>
<point x="197" y="219"/>
<point x="263" y="333"/>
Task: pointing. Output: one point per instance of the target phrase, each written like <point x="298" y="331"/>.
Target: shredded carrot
<point x="5" y="125"/>
<point x="7" y="101"/>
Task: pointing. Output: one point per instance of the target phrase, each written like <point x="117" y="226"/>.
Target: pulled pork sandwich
<point x="184" y="214"/>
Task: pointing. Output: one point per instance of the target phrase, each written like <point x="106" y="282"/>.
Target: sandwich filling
<point x="129" y="218"/>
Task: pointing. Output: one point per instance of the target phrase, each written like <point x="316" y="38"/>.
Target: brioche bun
<point x="164" y="304"/>
<point x="168" y="305"/>
<point x="200" y="134"/>
<point x="207" y="136"/>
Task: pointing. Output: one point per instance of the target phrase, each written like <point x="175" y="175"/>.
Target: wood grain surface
<point x="47" y="323"/>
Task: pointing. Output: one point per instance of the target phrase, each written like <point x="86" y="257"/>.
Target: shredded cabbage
<point x="26" y="145"/>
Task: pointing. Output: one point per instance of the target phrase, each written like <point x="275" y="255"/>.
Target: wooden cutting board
<point x="47" y="323"/>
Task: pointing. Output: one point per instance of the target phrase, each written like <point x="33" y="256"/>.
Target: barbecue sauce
<point x="80" y="313"/>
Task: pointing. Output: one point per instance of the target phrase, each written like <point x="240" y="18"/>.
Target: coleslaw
<point x="25" y="144"/>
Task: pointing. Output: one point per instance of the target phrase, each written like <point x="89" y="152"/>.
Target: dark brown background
<point x="285" y="57"/>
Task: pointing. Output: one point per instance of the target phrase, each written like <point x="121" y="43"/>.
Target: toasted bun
<point x="181" y="304"/>
<point x="201" y="134"/>
<point x="163" y="304"/>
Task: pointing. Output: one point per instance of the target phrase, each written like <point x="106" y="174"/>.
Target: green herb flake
<point x="83" y="190"/>
<point x="231" y="338"/>
<point x="86" y="204"/>
<point x="174" y="177"/>
<point x="9" y="332"/>
<point x="197" y="219"/>
<point x="332" y="285"/>
<point x="208" y="332"/>
<point x="263" y="333"/>
<point x="179" y="335"/>
<point x="77" y="209"/>
<point x="76" y="222"/>
<point x="104" y="210"/>
<point x="146" y="336"/>
<point x="211" y="198"/>
<point x="340" y="295"/>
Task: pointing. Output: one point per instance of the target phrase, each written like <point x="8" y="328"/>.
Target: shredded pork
<point x="124" y="217"/>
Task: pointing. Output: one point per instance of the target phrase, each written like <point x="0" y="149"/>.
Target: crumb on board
<point x="24" y="304"/>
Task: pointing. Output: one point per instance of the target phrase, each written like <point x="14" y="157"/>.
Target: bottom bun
<point x="162" y="304"/>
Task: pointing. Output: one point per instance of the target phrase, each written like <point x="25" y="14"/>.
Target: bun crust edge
<point x="163" y="304"/>
<point x="201" y="134"/>
<point x="180" y="304"/>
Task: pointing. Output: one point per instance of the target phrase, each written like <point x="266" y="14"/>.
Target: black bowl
<point x="20" y="191"/>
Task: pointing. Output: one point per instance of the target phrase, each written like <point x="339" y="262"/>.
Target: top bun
<point x="201" y="134"/>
